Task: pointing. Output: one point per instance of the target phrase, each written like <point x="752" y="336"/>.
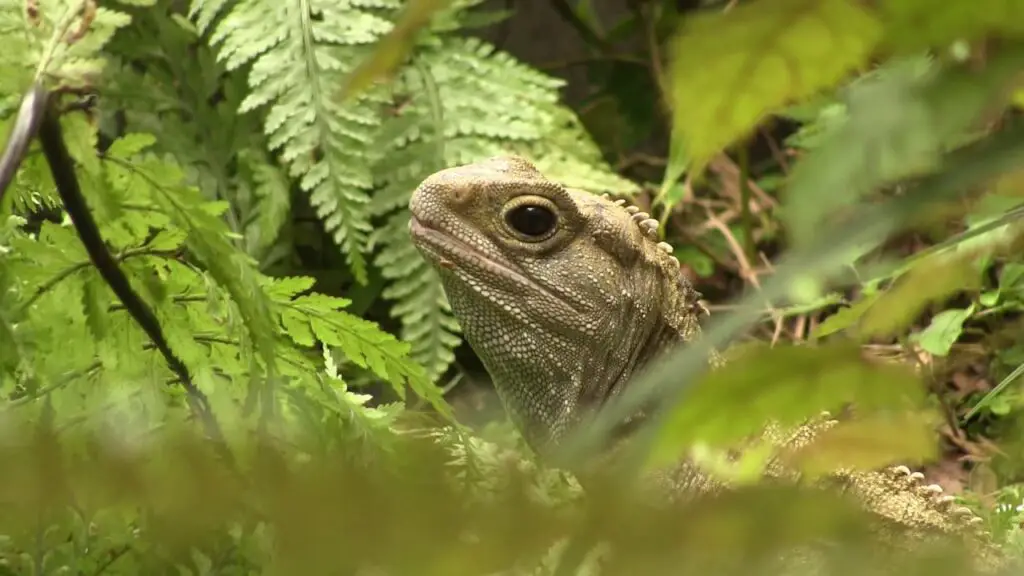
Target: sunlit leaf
<point x="787" y="384"/>
<point x="929" y="282"/>
<point x="867" y="443"/>
<point x="730" y="70"/>
<point x="1011" y="276"/>
<point x="943" y="331"/>
<point x="95" y="297"/>
<point x="914" y="25"/>
<point x="678" y="161"/>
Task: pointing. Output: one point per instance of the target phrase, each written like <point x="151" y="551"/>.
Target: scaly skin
<point x="566" y="295"/>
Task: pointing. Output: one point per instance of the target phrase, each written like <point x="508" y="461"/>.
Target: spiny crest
<point x="649" y="228"/>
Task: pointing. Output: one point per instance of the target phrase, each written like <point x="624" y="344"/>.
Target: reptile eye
<point x="531" y="220"/>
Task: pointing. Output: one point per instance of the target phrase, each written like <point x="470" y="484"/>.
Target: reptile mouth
<point x="444" y="243"/>
<point x="446" y="248"/>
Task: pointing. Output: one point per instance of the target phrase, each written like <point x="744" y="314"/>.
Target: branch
<point x="63" y="171"/>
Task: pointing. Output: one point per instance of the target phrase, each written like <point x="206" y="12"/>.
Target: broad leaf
<point x="867" y="444"/>
<point x="788" y="384"/>
<point x="915" y="25"/>
<point x="930" y="281"/>
<point x="731" y="70"/>
<point x="943" y="331"/>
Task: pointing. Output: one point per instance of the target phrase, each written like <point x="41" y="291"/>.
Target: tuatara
<point x="566" y="295"/>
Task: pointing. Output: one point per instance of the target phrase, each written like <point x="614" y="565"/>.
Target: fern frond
<point x="59" y="42"/>
<point x="164" y="80"/>
<point x="219" y="316"/>
<point x="299" y="53"/>
<point x="312" y="318"/>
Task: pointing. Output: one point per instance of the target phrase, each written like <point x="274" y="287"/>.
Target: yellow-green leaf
<point x="393" y="48"/>
<point x="677" y="163"/>
<point x="845" y="317"/>
<point x="943" y="331"/>
<point x="866" y="444"/>
<point x="788" y="385"/>
<point x="927" y="283"/>
<point x="729" y="71"/>
<point x="915" y="25"/>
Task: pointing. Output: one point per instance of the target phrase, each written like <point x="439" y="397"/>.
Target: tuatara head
<point x="562" y="294"/>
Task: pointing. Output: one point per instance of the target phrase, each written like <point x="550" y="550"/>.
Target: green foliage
<point x="913" y="25"/>
<point x="788" y="385"/>
<point x="891" y="150"/>
<point x="214" y="131"/>
<point x="216" y="309"/>
<point x="940" y="107"/>
<point x="176" y="508"/>
<point x="943" y="331"/>
<point x="792" y="49"/>
<point x="295" y="60"/>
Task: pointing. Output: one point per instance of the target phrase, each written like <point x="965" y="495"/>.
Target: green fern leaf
<point x="207" y="238"/>
<point x="272" y="192"/>
<point x="62" y="41"/>
<point x="362" y="342"/>
<point x="299" y="53"/>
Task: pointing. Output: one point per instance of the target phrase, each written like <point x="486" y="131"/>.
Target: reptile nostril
<point x="461" y="195"/>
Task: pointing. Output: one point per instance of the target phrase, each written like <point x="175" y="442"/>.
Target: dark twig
<point x="63" y="171"/>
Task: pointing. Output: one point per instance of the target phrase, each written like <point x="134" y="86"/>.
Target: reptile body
<point x="566" y="295"/>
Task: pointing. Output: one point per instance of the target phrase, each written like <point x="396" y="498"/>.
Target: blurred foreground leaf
<point x="788" y="385"/>
<point x="391" y="50"/>
<point x="167" y="504"/>
<point x="902" y="120"/>
<point x="914" y="25"/>
<point x="930" y="281"/>
<point x="730" y="70"/>
<point x="867" y="443"/>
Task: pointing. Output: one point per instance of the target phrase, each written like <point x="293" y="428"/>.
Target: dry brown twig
<point x="729" y="174"/>
<point x="777" y="152"/>
<point x="746" y="271"/>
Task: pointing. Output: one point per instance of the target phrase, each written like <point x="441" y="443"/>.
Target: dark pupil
<point x="531" y="220"/>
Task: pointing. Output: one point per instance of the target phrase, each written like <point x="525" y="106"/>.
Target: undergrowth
<point x="197" y="375"/>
